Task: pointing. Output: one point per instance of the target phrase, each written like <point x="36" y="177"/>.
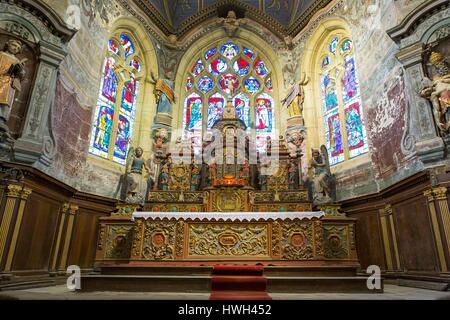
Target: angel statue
<point x="136" y="184"/>
<point x="231" y="23"/>
<point x="320" y="175"/>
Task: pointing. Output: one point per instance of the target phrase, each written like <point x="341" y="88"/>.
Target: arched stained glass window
<point x="206" y="85"/>
<point x="345" y="133"/>
<point x="116" y="104"/>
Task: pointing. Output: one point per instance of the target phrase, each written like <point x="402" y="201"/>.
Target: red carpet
<point x="239" y="283"/>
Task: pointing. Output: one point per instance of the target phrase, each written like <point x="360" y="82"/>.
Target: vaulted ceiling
<point x="287" y="17"/>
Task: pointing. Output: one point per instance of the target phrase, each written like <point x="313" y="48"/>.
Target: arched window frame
<point x="125" y="74"/>
<point x="336" y="69"/>
<point x="191" y="89"/>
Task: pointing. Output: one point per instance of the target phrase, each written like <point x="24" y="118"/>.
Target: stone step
<point x="202" y="283"/>
<point x="23" y="285"/>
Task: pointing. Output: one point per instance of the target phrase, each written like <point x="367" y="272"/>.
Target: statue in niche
<point x="320" y="175"/>
<point x="164" y="176"/>
<point x="295" y="99"/>
<point x="438" y="91"/>
<point x="195" y="178"/>
<point x="136" y="184"/>
<point x="164" y="94"/>
<point x="12" y="72"/>
<point x="231" y="23"/>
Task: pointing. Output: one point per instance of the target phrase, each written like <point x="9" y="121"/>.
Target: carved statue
<point x="295" y="140"/>
<point x="164" y="94"/>
<point x="295" y="98"/>
<point x="293" y="175"/>
<point x="136" y="184"/>
<point x="231" y="24"/>
<point x="12" y="72"/>
<point x="160" y="146"/>
<point x="195" y="178"/>
<point x="164" y="176"/>
<point x="320" y="174"/>
<point x="438" y="92"/>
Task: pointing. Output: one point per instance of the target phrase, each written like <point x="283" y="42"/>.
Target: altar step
<point x="326" y="279"/>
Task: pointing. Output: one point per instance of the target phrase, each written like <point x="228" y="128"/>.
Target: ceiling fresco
<point x="174" y="16"/>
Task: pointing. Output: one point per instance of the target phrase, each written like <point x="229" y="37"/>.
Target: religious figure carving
<point x="438" y="92"/>
<point x="164" y="176"/>
<point x="195" y="178"/>
<point x="320" y="174"/>
<point x="12" y="72"/>
<point x="244" y="172"/>
<point x="295" y="98"/>
<point x="136" y="184"/>
<point x="160" y="143"/>
<point x="292" y="175"/>
<point x="295" y="140"/>
<point x="164" y="94"/>
<point x="231" y="23"/>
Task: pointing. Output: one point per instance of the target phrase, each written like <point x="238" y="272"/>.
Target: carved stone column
<point x="37" y="141"/>
<point x="12" y="194"/>
<point x="438" y="239"/>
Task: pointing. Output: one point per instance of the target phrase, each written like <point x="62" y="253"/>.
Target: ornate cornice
<point x="416" y="17"/>
<point x="47" y="15"/>
<point x="207" y="15"/>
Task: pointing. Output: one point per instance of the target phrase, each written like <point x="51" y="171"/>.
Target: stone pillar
<point x="438" y="239"/>
<point x="24" y="194"/>
<point x="71" y="211"/>
<point x="12" y="194"/>
<point x="428" y="145"/>
<point x="36" y="142"/>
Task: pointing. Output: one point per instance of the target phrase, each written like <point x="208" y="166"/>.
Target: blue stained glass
<point x="127" y="45"/>
<point x="122" y="138"/>
<point x="252" y="85"/>
<point x="217" y="67"/>
<point x="211" y="52"/>
<point x="264" y="114"/>
<point x="329" y="91"/>
<point x="333" y="45"/>
<point x="129" y="95"/>
<point x="102" y="131"/>
<point x="249" y="53"/>
<point x="193" y="113"/>
<point x="110" y="81"/>
<point x="349" y="81"/>
<point x="242" y="105"/>
<point x="325" y="62"/>
<point x="113" y="47"/>
<point x="261" y="68"/>
<point x="269" y="84"/>
<point x="334" y="135"/>
<point x="198" y="68"/>
<point x="215" y="109"/>
<point x="242" y="67"/>
<point x="135" y="64"/>
<point x="355" y="127"/>
<point x="205" y="84"/>
<point x="346" y="46"/>
<point x="229" y="50"/>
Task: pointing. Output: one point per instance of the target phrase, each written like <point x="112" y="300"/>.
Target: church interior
<point x="234" y="149"/>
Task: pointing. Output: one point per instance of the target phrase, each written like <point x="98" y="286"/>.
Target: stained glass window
<point x="345" y="133"/>
<point x="207" y="89"/>
<point x="116" y="105"/>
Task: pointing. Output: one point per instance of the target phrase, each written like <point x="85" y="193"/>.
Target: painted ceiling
<point x="173" y="15"/>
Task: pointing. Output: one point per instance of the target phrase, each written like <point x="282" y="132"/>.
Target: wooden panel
<point x="37" y="234"/>
<point x="369" y="240"/>
<point x="84" y="239"/>
<point x="415" y="237"/>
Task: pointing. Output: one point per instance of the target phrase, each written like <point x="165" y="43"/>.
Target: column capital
<point x="388" y="210"/>
<point x="429" y="195"/>
<point x="14" y="191"/>
<point x="440" y="193"/>
<point x="26" y="192"/>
